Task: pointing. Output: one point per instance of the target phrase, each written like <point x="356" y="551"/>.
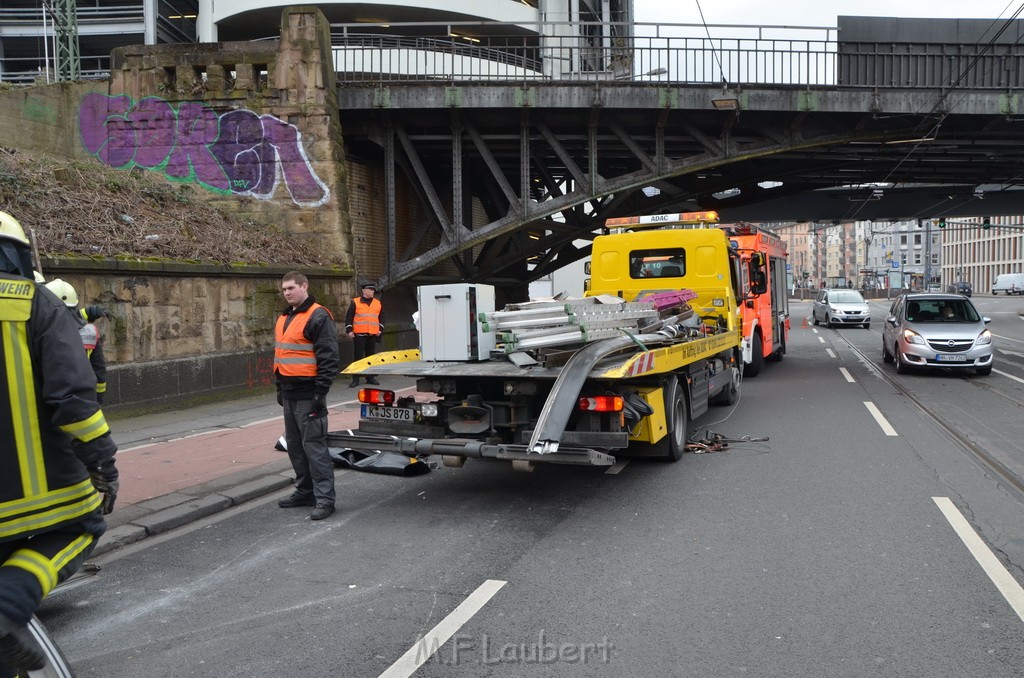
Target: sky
<point x="813" y="12"/>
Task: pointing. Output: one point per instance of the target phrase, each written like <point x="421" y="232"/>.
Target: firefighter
<point x="87" y="329"/>
<point x="58" y="477"/>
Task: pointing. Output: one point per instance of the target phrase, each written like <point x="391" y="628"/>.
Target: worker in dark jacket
<point x="305" y="364"/>
<point x="364" y="323"/>
<point x="57" y="472"/>
<point x="91" y="339"/>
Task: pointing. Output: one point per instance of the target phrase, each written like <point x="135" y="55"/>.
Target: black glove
<point x="99" y="398"/>
<point x="319" y="405"/>
<point x="96" y="312"/>
<point x="280" y="398"/>
<point x="104" y="479"/>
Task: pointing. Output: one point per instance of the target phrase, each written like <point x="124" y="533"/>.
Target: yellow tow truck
<point x="660" y="343"/>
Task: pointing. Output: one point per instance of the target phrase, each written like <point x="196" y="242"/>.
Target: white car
<point x="840" y="307"/>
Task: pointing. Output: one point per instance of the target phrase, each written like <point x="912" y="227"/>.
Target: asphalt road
<point x="831" y="549"/>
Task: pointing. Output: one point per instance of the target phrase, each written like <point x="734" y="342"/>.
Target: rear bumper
<point x="458" y="447"/>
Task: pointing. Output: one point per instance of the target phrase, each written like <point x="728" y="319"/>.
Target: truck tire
<point x="753" y="368"/>
<point x="776" y="356"/>
<point x="730" y="393"/>
<point x="677" y="420"/>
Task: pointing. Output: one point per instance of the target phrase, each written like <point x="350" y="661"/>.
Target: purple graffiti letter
<point x="191" y="159"/>
<point x="245" y="156"/>
<point x="154" y="121"/>
<point x="303" y="185"/>
<point x="105" y="130"/>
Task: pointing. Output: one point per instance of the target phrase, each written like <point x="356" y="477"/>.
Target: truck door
<point x="779" y="301"/>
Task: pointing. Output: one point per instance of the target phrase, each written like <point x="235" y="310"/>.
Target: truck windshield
<point x="660" y="263"/>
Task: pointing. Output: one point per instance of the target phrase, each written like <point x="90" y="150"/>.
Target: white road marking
<point x="821" y="339"/>
<point x="846" y="374"/>
<point x="425" y="647"/>
<point x="882" y="422"/>
<point x="814" y="329"/>
<point x="1005" y="374"/>
<point x="830" y="353"/>
<point x="1016" y="353"/>
<point x="1003" y="580"/>
<point x="614" y="469"/>
<point x="999" y="336"/>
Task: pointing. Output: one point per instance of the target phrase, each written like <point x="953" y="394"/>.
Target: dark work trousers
<point x="363" y="346"/>
<point x="307" y="450"/>
<point x="31" y="567"/>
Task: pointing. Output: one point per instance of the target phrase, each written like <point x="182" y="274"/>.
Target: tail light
<point x="376" y="396"/>
<point x="611" y="403"/>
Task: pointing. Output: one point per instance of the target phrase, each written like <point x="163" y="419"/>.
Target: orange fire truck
<point x="761" y="279"/>
<point x="765" y="316"/>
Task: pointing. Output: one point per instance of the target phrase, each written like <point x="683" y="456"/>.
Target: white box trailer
<point x="450" y="327"/>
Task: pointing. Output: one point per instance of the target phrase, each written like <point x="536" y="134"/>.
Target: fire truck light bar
<point x="680" y="218"/>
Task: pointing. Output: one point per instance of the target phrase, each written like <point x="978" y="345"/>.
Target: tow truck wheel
<point x="523" y="465"/>
<point x="677" y="420"/>
<point x="453" y="461"/>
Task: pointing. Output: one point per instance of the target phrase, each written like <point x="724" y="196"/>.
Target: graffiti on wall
<point x="239" y="152"/>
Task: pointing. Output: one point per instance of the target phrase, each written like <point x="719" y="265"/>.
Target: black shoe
<point x="372" y="380"/>
<point x="354" y="382"/>
<point x="17" y="647"/>
<point x="295" y="499"/>
<point x="322" y="512"/>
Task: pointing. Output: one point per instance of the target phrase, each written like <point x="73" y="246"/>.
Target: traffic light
<point x="942" y="222"/>
<point x="986" y="223"/>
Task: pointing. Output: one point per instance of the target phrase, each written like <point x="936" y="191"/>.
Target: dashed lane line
<point x="880" y="419"/>
<point x="846" y="374"/>
<point x="1003" y="580"/>
<point x="429" y="644"/>
<point x="831" y="354"/>
<point x="1006" y="374"/>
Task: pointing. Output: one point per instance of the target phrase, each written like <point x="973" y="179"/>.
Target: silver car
<point x="936" y="330"/>
<point x="840" y="307"/>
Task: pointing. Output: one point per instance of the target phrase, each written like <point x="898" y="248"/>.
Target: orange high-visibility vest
<point x="367" y="317"/>
<point x="293" y="353"/>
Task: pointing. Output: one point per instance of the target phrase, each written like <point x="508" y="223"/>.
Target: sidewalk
<point x="177" y="467"/>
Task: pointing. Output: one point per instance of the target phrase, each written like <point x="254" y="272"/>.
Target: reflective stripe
<point x="55" y="516"/>
<point x="71" y="551"/>
<point x="293" y="347"/>
<point x="296" y="361"/>
<point x="37" y="565"/>
<point x="87" y="430"/>
<point x="101" y="387"/>
<point x="63" y="495"/>
<point x="24" y="417"/>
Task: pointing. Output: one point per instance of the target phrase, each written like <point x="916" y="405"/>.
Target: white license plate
<point x="945" y="358"/>
<point x="382" y="412"/>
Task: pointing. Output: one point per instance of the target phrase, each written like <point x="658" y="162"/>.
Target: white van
<point x="1010" y="283"/>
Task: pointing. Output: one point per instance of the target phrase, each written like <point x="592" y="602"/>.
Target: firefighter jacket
<point x="306" y="356"/>
<point x="93" y="344"/>
<point x="365" y="316"/>
<point x="51" y="428"/>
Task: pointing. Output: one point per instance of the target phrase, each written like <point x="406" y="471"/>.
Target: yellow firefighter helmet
<point x="64" y="291"/>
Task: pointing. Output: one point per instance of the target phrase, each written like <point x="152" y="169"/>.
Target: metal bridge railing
<point x="585" y="52"/>
<point x="667" y="53"/>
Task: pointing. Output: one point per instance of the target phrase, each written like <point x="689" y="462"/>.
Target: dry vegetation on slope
<point x="84" y="208"/>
